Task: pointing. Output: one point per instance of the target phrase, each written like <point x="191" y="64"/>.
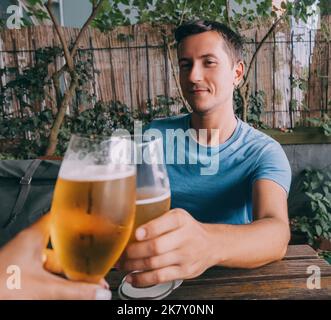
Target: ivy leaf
<point x="318" y="230"/>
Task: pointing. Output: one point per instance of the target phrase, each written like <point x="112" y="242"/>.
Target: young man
<point x="236" y="216"/>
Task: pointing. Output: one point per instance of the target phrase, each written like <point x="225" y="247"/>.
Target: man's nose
<point x="195" y="74"/>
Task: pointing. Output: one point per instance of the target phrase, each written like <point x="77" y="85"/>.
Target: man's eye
<point x="185" y="66"/>
<point x="210" y="62"/>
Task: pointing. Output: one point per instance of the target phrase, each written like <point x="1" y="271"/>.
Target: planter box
<point x="300" y="135"/>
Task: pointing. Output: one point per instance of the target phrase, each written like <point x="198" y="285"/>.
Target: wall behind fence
<point x="136" y="68"/>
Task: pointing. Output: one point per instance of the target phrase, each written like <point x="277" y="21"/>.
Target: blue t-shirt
<point x="216" y="185"/>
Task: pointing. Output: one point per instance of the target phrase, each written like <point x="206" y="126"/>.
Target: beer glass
<point x="153" y="200"/>
<point x="93" y="207"/>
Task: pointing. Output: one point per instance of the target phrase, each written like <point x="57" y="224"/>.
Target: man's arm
<point x="176" y="246"/>
<point x="261" y="242"/>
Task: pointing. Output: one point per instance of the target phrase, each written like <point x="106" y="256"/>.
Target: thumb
<point x="40" y="230"/>
<point x="33" y="239"/>
<point x="51" y="261"/>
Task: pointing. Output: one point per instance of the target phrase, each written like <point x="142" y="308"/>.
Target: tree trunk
<point x="60" y="116"/>
<point x="244" y="92"/>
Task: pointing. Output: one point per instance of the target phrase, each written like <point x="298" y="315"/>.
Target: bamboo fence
<point x="132" y="64"/>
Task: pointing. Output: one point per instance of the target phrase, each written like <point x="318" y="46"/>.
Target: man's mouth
<point x="199" y="90"/>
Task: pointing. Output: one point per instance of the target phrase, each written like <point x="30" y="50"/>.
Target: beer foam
<point x="161" y="195"/>
<point x="75" y="171"/>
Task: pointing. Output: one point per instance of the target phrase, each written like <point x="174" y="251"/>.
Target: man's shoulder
<point x="256" y="142"/>
<point x="251" y="135"/>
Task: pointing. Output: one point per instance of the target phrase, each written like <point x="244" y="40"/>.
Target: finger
<point x="149" y="278"/>
<point x="53" y="265"/>
<point x="151" y="263"/>
<point x="120" y="261"/>
<point x="169" y="221"/>
<point x="69" y="290"/>
<point x="154" y="247"/>
<point x="51" y="262"/>
<point x="103" y="283"/>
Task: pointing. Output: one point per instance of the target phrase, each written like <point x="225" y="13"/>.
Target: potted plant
<point x="310" y="208"/>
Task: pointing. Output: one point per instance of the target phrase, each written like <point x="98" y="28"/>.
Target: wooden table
<point x="286" y="279"/>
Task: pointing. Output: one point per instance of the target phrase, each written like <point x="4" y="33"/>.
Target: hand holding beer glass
<point x="153" y="200"/>
<point x="93" y="207"/>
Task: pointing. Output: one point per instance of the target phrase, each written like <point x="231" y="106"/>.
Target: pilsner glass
<point x="153" y="200"/>
<point x="93" y="207"/>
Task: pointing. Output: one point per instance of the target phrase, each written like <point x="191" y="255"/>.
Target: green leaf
<point x="318" y="230"/>
<point x="34" y="2"/>
<point x="283" y="5"/>
<point x="314" y="121"/>
<point x="318" y="196"/>
<point x="322" y="207"/>
<point x="311" y="195"/>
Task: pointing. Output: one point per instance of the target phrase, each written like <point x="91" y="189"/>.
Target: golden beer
<point x="151" y="203"/>
<point x="92" y="221"/>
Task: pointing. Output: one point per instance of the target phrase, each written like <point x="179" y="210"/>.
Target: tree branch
<point x="244" y="92"/>
<point x="53" y="137"/>
<point x="273" y="27"/>
<point x="228" y="13"/>
<point x="68" y="57"/>
<point x="58" y="94"/>
<point x="183" y="13"/>
<point x="95" y="10"/>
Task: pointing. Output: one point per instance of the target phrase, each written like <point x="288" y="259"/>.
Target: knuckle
<point x="150" y="263"/>
<point x="180" y="217"/>
<point x="183" y="215"/>
<point x="188" y="270"/>
<point x="151" y="229"/>
<point x="158" y="277"/>
<point x="156" y="247"/>
<point x="126" y="266"/>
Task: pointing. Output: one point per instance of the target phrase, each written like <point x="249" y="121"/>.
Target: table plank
<point x="286" y="279"/>
<point x="272" y="289"/>
<point x="300" y="252"/>
<point x="285" y="269"/>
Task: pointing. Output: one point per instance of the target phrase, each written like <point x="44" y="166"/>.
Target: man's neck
<point x="224" y="124"/>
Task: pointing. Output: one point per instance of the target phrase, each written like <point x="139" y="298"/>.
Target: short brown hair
<point x="233" y="41"/>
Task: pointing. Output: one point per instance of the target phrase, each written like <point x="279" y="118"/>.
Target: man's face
<point x="207" y="74"/>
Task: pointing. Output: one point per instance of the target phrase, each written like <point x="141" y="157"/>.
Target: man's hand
<point x="26" y="252"/>
<point x="173" y="246"/>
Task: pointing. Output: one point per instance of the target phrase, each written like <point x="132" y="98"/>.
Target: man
<point x="236" y="217"/>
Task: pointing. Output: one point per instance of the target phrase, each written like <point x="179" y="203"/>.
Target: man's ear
<point x="239" y="72"/>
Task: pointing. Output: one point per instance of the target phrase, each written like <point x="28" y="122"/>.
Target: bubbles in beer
<point x="73" y="170"/>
